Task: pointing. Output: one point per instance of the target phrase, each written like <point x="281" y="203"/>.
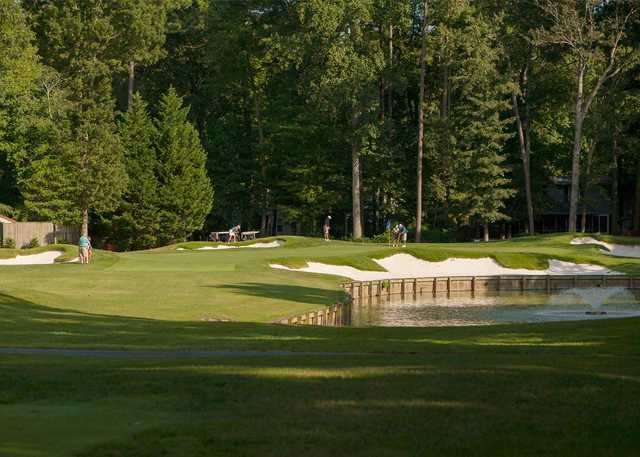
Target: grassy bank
<point x="239" y="285"/>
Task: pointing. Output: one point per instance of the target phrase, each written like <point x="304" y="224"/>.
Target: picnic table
<point x="219" y="236"/>
<point x="224" y="235"/>
<point x="250" y="235"/>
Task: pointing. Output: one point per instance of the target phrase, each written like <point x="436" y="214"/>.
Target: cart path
<point x="102" y="353"/>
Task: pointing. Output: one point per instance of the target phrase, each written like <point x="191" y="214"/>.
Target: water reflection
<point x="496" y="308"/>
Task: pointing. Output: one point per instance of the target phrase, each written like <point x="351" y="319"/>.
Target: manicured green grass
<point x="562" y="389"/>
<point x="239" y="285"/>
<point x="629" y="240"/>
<point x="555" y="389"/>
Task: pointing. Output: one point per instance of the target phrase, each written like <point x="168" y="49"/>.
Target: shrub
<point x="439" y="236"/>
<point x="34" y="243"/>
<point x="9" y="243"/>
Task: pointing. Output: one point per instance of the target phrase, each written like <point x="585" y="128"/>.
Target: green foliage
<point x="32" y="244"/>
<point x="78" y="164"/>
<point x="137" y="222"/>
<point x="19" y="73"/>
<point x="185" y="192"/>
<point x="9" y="243"/>
<point x="283" y="95"/>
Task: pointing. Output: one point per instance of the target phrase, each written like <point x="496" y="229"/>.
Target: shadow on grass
<point x="286" y="292"/>
<point x="483" y="404"/>
<point x="26" y="324"/>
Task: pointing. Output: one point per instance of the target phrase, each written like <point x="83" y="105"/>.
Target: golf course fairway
<point x="262" y="389"/>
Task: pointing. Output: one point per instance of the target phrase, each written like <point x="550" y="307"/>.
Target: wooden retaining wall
<point x="332" y="316"/>
<point x="340" y="314"/>
<point x="415" y="287"/>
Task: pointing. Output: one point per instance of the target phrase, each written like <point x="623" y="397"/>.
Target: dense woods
<point x="150" y="121"/>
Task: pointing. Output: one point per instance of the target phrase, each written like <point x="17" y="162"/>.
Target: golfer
<point x="326" y="228"/>
<point x="395" y="235"/>
<point x="403" y="235"/>
<point x="83" y="249"/>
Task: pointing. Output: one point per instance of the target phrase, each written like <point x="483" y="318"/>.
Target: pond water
<point x="498" y="308"/>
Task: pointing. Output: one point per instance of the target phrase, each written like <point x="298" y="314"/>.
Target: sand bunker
<point x="617" y="250"/>
<point x="44" y="258"/>
<point x="272" y="244"/>
<point x="406" y="266"/>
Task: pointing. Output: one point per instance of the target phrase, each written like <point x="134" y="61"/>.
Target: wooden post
<point x="575" y="282"/>
<point x="415" y="288"/>
<point x="448" y="285"/>
<point x="402" y="286"/>
<point x="498" y="284"/>
<point x="522" y="284"/>
<point x="435" y="286"/>
<point x="604" y="280"/>
<point x="548" y="284"/>
<point x="390" y="286"/>
<point x="370" y="289"/>
<point x="473" y="285"/>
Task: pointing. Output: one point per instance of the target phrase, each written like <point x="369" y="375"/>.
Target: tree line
<point x="450" y="115"/>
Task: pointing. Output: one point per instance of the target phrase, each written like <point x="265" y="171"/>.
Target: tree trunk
<point x="615" y="199"/>
<point x="577" y="147"/>
<point x="263" y="164"/>
<point x="132" y="76"/>
<point x="524" y="138"/>
<point x="423" y="52"/>
<point x="486" y="231"/>
<point x="85" y="222"/>
<point x="636" y="206"/>
<point x="575" y="176"/>
<point x="585" y="188"/>
<point x="390" y="87"/>
<point x="356" y="176"/>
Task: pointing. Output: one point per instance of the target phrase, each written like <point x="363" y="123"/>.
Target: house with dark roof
<point x="553" y="216"/>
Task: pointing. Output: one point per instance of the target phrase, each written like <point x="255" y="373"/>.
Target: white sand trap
<point x="406" y="266"/>
<point x="271" y="244"/>
<point x="617" y="250"/>
<point x="44" y="258"/>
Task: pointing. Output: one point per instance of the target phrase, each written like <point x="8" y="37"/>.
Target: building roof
<point x="6" y="220"/>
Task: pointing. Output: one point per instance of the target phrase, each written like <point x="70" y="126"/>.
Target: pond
<point x="498" y="308"/>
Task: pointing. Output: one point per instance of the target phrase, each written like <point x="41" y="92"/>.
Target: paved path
<point x="166" y="354"/>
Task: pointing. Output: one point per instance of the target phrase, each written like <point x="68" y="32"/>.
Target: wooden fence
<point x="415" y="287"/>
<point x="332" y="316"/>
<point x="45" y="232"/>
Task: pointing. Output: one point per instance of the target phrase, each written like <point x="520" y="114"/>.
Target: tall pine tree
<point x="186" y="194"/>
<point x="136" y="224"/>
